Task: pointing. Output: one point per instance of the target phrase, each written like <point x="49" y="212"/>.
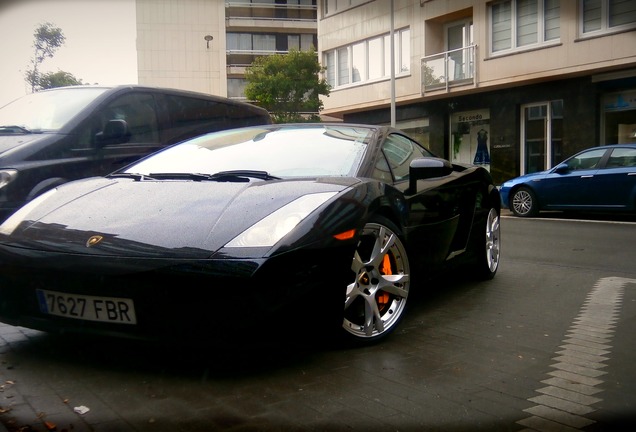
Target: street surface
<point x="547" y="345"/>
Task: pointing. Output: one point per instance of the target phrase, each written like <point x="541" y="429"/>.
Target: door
<point x="615" y="183"/>
<point x="541" y="133"/>
<point x="459" y="36"/>
<point x="571" y="184"/>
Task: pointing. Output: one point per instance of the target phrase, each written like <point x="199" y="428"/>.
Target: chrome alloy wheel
<point x="376" y="299"/>
<point x="523" y="203"/>
<point x="493" y="242"/>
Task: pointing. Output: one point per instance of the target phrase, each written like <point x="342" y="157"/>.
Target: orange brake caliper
<point x="382" y="297"/>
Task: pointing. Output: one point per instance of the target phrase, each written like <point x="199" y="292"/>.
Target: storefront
<point x="619" y="117"/>
<point x="520" y="130"/>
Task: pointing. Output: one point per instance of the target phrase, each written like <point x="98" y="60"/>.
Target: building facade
<point x="514" y="85"/>
<point x="205" y="45"/>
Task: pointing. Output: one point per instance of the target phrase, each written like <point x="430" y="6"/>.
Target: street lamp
<point x="208" y="38"/>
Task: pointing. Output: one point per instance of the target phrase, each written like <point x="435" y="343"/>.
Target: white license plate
<point x="92" y="308"/>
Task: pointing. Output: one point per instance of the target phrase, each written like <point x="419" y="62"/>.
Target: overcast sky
<point x="100" y="42"/>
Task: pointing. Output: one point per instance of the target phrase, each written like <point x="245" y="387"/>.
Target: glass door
<point x="459" y="36"/>
<point x="541" y="134"/>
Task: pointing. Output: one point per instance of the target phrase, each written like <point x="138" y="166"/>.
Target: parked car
<point x="53" y="136"/>
<point x="326" y="224"/>
<point x="597" y="179"/>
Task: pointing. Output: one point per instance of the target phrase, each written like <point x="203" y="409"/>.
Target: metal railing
<point x="270" y="11"/>
<point x="451" y="68"/>
<point x="245" y="4"/>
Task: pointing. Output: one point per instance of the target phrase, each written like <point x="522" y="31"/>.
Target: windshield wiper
<point x="134" y="176"/>
<point x="14" y="129"/>
<point x="221" y="176"/>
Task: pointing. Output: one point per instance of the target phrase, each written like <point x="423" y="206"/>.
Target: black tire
<point x="523" y="203"/>
<point x="376" y="298"/>
<point x="489" y="248"/>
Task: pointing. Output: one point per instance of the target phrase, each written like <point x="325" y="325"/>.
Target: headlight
<point x="9" y="225"/>
<point x="7" y="176"/>
<point x="268" y="231"/>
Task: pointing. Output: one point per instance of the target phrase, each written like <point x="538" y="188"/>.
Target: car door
<point x="436" y="212"/>
<point x="568" y="185"/>
<point x="614" y="184"/>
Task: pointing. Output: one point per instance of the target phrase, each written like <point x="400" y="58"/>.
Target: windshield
<point x="47" y="110"/>
<point x="281" y="151"/>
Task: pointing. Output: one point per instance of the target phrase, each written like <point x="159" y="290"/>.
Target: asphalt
<point x="494" y="356"/>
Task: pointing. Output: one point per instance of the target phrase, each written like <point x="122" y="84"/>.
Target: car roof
<point x="630" y="145"/>
<point x="115" y="88"/>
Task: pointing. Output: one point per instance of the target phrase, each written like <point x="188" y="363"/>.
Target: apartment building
<point x="205" y="45"/>
<point x="515" y="85"/>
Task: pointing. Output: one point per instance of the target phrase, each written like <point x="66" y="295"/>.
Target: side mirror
<point x="562" y="169"/>
<point x="426" y="168"/>
<point x="115" y="132"/>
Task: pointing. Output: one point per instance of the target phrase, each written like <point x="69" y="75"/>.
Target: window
<point x="251" y="42"/>
<point x="368" y="60"/>
<point x="376" y="69"/>
<point x="459" y="35"/>
<point x="542" y="136"/>
<point x="604" y="16"/>
<point x="236" y="88"/>
<point x="359" y="56"/>
<point x="586" y="161"/>
<point x="343" y="66"/>
<point x="330" y="7"/>
<point x="622" y="157"/>
<point x="399" y="151"/>
<point x="140" y="113"/>
<point x="522" y="24"/>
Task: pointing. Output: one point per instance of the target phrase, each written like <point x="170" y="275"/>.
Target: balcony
<point x="238" y="60"/>
<point x="449" y="69"/>
<point x="239" y="12"/>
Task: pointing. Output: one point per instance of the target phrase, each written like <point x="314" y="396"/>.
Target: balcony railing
<point x="236" y="10"/>
<point x="451" y="68"/>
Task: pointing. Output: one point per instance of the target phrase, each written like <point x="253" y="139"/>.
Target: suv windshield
<point x="47" y="110"/>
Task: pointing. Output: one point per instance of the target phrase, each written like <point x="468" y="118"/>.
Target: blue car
<point x="597" y="179"/>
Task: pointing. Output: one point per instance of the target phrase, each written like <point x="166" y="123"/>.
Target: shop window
<point x="470" y="138"/>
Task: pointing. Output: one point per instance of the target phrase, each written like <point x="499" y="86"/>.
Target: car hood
<point x="124" y="217"/>
<point x="526" y="178"/>
<point x="9" y="142"/>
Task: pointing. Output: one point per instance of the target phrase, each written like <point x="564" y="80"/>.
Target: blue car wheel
<point x="524" y="203"/>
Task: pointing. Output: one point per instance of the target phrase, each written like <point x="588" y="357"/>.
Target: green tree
<point x="58" y="79"/>
<point x="288" y="85"/>
<point x="48" y="39"/>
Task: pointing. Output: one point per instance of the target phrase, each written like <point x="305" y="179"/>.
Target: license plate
<point x="91" y="308"/>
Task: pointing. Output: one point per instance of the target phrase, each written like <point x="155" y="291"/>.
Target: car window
<point x="586" y="160"/>
<point x="139" y="112"/>
<point x="189" y="116"/>
<point x="48" y="110"/>
<point x="137" y="109"/>
<point x="399" y="152"/>
<point x="316" y="151"/>
<point x="622" y="157"/>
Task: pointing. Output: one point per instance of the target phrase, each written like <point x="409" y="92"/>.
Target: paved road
<point x="546" y="345"/>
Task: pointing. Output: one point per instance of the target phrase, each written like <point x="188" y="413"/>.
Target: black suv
<point x="54" y="136"/>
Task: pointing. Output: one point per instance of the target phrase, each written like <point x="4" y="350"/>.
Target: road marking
<point x="571" y="389"/>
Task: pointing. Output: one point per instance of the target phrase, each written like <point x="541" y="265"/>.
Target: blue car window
<point x="622" y="157"/>
<point x="586" y="160"/>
